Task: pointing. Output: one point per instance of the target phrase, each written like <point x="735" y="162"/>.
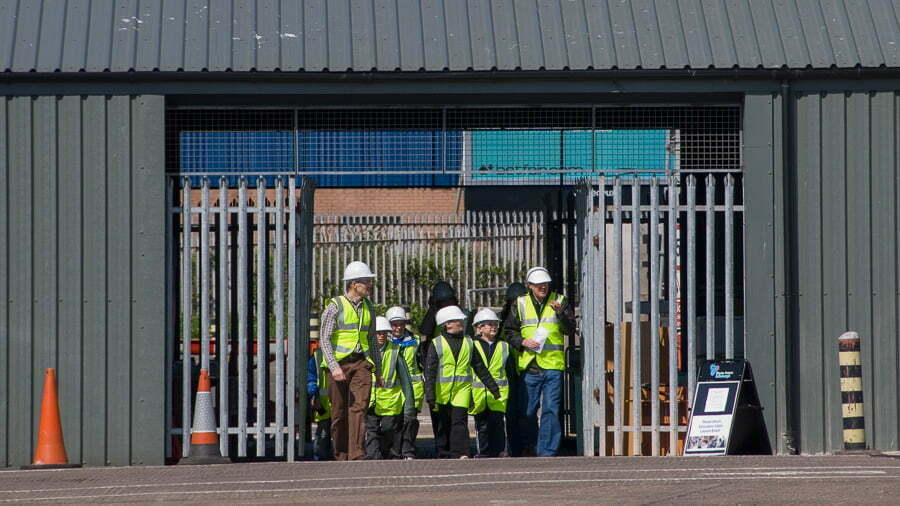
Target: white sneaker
<point x="464" y="457"/>
<point x="409" y="458"/>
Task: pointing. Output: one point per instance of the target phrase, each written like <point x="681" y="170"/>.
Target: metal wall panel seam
<point x="767" y="34"/>
<point x="434" y="35"/>
<point x="859" y="241"/>
<point x="21" y="422"/>
<point x="887" y="30"/>
<point x="148" y="438"/>
<point x="410" y="35"/>
<point x="292" y="34"/>
<point x="245" y="39"/>
<point x="700" y="53"/>
<point x="603" y="47"/>
<point x="721" y="38"/>
<point x="94" y="406"/>
<point x="552" y="34"/>
<point x="126" y="24"/>
<point x="818" y="43"/>
<point x="339" y="35"/>
<point x="647" y="33"/>
<point x="671" y="34"/>
<point x="865" y="34"/>
<point x="363" y="45"/>
<point x="576" y="42"/>
<point x="5" y="239"/>
<point x="746" y="45"/>
<point x="8" y="28"/>
<point x="759" y="241"/>
<point x="809" y="264"/>
<point x="44" y="302"/>
<point x="459" y="39"/>
<point x="220" y="35"/>
<point x="507" y="41"/>
<point x="623" y="33"/>
<point x="834" y="254"/>
<point x="100" y="28"/>
<point x="314" y="17"/>
<point x="268" y="38"/>
<point x="51" y="32"/>
<point x="783" y="224"/>
<point x="884" y="266"/>
<point x="118" y="220"/>
<point x="197" y="35"/>
<point x="840" y="31"/>
<point x="148" y="43"/>
<point x="172" y="26"/>
<point x="26" y="43"/>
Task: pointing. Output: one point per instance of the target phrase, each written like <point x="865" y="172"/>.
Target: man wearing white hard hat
<point x="490" y="412"/>
<point x="347" y="340"/>
<point x="537" y="329"/>
<point x="391" y="400"/>
<point x="405" y="439"/>
<point x="449" y="365"/>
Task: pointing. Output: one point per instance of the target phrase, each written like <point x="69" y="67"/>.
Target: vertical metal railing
<point x="255" y="375"/>
<point x="653" y="331"/>
<point x="471" y="250"/>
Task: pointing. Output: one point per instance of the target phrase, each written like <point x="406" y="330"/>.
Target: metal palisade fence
<point x="479" y="253"/>
<point x="645" y="245"/>
<point x="237" y="259"/>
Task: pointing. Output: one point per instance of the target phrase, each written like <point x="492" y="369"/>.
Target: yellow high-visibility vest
<point x="388" y="398"/>
<point x="497" y="367"/>
<point x="351" y="328"/>
<point x="454" y="380"/>
<point x="409" y="353"/>
<point x="552" y="356"/>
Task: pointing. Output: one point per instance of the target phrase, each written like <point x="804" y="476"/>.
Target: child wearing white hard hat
<point x="405" y="439"/>
<point x="390" y="400"/>
<point x="490" y="412"/>
<point x="449" y="366"/>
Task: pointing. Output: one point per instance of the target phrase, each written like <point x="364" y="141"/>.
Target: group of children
<point x="457" y="375"/>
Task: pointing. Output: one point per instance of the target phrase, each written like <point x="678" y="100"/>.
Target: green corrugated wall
<point x="82" y="240"/>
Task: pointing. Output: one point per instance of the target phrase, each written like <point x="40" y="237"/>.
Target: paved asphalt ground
<point x="572" y="480"/>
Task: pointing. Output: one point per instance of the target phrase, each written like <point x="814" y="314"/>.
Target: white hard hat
<point x="396" y="313"/>
<point x="538" y="275"/>
<point x="357" y="270"/>
<point x="485" y="315"/>
<point x="449" y="313"/>
<point x="382" y="324"/>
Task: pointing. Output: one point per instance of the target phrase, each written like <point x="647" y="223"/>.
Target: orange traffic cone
<point x="204" y="438"/>
<point x="50" y="452"/>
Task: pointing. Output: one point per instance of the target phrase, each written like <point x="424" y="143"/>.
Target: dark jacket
<point x="512" y="325"/>
<point x="432" y="365"/>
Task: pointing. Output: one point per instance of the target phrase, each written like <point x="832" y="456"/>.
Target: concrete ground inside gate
<point x="572" y="480"/>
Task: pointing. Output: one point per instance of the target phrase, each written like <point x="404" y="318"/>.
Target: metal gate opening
<point x="641" y="155"/>
<point x="239" y="259"/>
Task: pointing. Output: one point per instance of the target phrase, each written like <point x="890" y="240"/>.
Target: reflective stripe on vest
<point x="410" y="353"/>
<point x="552" y="356"/>
<point x="454" y="383"/>
<point x="481" y="398"/>
<point x="322" y="383"/>
<point x="388" y="398"/>
<point x="351" y="329"/>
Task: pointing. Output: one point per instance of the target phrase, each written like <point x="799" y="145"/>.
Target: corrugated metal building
<point x="87" y="86"/>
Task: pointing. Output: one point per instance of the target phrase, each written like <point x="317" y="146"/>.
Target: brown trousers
<point x="349" y="403"/>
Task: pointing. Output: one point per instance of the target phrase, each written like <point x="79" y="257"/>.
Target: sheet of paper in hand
<point x="540" y="335"/>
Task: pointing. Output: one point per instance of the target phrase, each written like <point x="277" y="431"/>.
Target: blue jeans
<point x="542" y="391"/>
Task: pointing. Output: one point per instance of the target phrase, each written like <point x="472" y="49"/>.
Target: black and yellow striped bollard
<point x="852" y="392"/>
